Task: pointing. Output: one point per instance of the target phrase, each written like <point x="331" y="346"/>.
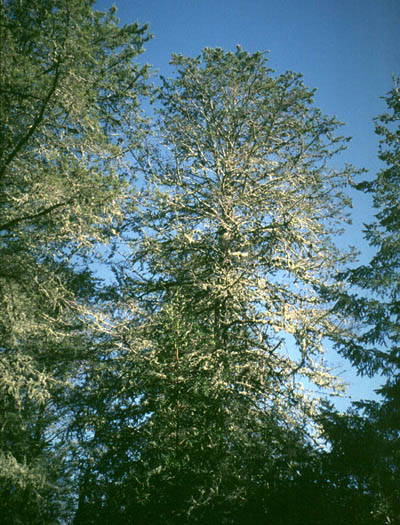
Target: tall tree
<point x="225" y="327"/>
<point x="376" y="349"/>
<point x="69" y="113"/>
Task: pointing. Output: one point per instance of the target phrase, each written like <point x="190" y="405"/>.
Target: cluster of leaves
<point x="189" y="389"/>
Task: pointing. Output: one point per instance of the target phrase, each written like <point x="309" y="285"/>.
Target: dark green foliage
<point x="365" y="460"/>
<point x="68" y="88"/>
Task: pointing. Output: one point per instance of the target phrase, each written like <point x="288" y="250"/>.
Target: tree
<point x="223" y="326"/>
<point x="69" y="113"/>
<point x="376" y="349"/>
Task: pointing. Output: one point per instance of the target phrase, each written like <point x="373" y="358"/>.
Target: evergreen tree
<point x="374" y="426"/>
<point x="217" y="368"/>
<point x="69" y="88"/>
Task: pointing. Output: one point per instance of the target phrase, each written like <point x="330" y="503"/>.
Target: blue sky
<point x="347" y="49"/>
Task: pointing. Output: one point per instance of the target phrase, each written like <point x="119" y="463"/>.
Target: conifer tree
<point x="223" y="326"/>
<point x="374" y="426"/>
<point x="69" y="91"/>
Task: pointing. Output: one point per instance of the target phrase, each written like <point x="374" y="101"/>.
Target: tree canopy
<point x="70" y="89"/>
<point x="218" y="360"/>
<point x="191" y="386"/>
<point x="371" y="425"/>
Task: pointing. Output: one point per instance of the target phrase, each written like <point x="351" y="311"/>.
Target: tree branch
<point x="35" y="124"/>
<point x="46" y="211"/>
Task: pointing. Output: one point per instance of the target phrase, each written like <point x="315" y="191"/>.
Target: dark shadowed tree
<point x="365" y="442"/>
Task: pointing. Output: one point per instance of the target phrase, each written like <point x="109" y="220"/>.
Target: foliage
<point x="374" y="426"/>
<point x="190" y="389"/>
<point x="221" y="321"/>
<point x="68" y="114"/>
<point x="362" y="465"/>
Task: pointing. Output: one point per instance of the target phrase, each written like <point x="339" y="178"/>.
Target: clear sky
<point x="347" y="49"/>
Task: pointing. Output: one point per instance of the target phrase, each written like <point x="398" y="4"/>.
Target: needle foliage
<point x="219" y="349"/>
<point x="69" y="92"/>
